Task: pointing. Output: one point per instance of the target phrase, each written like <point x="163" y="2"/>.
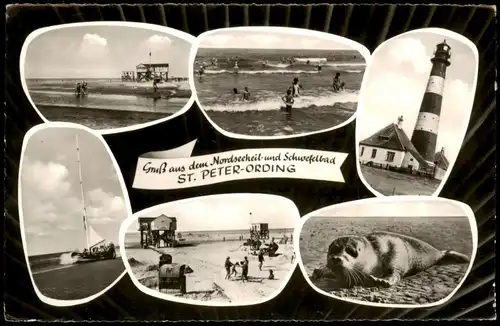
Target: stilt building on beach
<point x="390" y="147"/>
<point x="152" y="71"/>
<point x="154" y="230"/>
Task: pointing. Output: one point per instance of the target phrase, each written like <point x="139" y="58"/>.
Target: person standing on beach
<point x="261" y="259"/>
<point x="155" y="86"/>
<point x="227" y="266"/>
<point x="293" y="258"/>
<point x="244" y="271"/>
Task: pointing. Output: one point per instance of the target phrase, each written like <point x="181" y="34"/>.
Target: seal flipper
<point x="452" y="257"/>
<point x="323" y="272"/>
<point x="388" y="281"/>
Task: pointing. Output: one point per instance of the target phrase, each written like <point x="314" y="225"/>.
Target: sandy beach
<point x="207" y="282"/>
<point x="428" y="286"/>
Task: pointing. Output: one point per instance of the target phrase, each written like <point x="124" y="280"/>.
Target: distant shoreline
<point x="143" y="90"/>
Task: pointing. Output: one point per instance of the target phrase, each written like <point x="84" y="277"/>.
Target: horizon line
<point x="228" y="48"/>
<point x="379" y="216"/>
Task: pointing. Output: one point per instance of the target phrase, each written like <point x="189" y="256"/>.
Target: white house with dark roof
<point x="441" y="164"/>
<point x="390" y="147"/>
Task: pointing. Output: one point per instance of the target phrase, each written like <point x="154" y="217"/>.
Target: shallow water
<point x="268" y="79"/>
<point x="110" y="103"/>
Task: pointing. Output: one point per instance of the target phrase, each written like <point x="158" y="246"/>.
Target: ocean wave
<point x="255" y="72"/>
<point x="311" y="59"/>
<point x="278" y="65"/>
<point x="66" y="259"/>
<point x="354" y="71"/>
<point x="274" y="104"/>
<point x="345" y="64"/>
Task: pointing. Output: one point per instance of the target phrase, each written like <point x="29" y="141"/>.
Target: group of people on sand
<point x="231" y="268"/>
<point x="81" y="88"/>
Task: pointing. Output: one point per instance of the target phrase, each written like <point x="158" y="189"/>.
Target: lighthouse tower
<point x="425" y="132"/>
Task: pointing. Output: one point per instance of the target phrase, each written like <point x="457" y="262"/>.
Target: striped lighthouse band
<point x="428" y="122"/>
<point x="435" y="85"/>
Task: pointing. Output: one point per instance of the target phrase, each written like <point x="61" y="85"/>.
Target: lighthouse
<point x="426" y="128"/>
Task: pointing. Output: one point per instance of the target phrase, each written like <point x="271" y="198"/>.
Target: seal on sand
<point x="381" y="259"/>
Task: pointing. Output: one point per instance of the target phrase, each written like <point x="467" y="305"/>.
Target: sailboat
<point x="97" y="248"/>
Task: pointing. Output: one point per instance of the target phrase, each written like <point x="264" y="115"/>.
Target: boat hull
<point x="92" y="257"/>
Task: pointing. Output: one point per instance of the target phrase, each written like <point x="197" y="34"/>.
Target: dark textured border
<point x="472" y="180"/>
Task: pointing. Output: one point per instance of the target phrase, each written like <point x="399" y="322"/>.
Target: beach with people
<point x="107" y="103"/>
<point x="221" y="268"/>
<point x="272" y="92"/>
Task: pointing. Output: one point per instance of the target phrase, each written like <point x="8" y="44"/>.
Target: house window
<point x="390" y="156"/>
<point x="362" y="151"/>
<point x="374" y="153"/>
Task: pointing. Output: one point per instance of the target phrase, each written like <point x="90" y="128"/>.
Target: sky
<point x="51" y="197"/>
<point x="398" y="208"/>
<point x="396" y="82"/>
<point x="103" y="52"/>
<point x="267" y="40"/>
<point x="217" y="213"/>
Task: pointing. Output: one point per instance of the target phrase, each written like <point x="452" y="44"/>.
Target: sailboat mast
<point x="83" y="196"/>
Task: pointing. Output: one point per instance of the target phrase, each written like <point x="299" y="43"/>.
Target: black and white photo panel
<point x="414" y="110"/>
<point x="400" y="252"/>
<point x="72" y="202"/>
<point x="277" y="81"/>
<point x="107" y="75"/>
<point x="220" y="250"/>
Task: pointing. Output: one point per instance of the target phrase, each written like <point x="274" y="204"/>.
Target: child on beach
<point x="236" y="69"/>
<point x="233" y="270"/>
<point x="271" y="274"/>
<point x="288" y="99"/>
<point x="295" y="87"/>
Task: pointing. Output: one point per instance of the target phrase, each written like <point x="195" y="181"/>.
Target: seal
<point x="381" y="259"/>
